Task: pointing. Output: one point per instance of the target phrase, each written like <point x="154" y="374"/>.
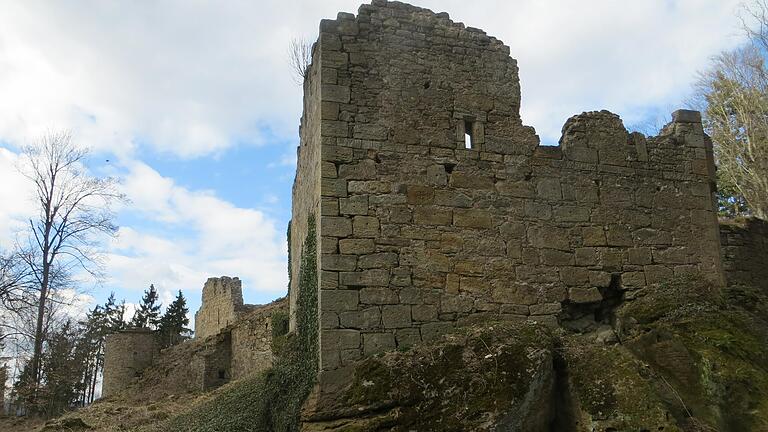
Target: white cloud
<point x="206" y="237"/>
<point x="193" y="78"/>
<point x="15" y="202"/>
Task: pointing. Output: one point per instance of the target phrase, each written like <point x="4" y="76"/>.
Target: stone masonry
<point x="222" y="302"/>
<point x="126" y="355"/>
<point x="436" y="205"/>
<point x="745" y="252"/>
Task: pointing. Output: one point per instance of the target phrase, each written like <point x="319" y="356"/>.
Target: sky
<point x="191" y="104"/>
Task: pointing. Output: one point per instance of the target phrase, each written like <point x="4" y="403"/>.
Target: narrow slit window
<point x="468" y="134"/>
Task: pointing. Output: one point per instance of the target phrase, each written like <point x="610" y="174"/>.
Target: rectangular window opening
<point x="468" y="134"/>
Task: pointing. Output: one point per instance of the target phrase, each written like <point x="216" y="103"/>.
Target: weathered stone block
<point x="424" y="312"/>
<point x="599" y="279"/>
<point x="556" y="257"/>
<point x="461" y="304"/>
<point x="545" y="309"/>
<point x="371" y="131"/>
<point x="430" y="215"/>
<point x="377" y="342"/>
<point x="586" y="256"/>
<point x="574" y="276"/>
<point x="365" y="226"/>
<point x="368" y="187"/>
<point x="339" y="300"/>
<point x="374" y="277"/>
<point x="417" y="194"/>
<point x="584" y="295"/>
<point x="549" y="237"/>
<point x="366" y="319"/>
<point x="335" y="262"/>
<point x="331" y="187"/>
<point x="472" y="218"/>
<point x="639" y="256"/>
<point x="407" y="337"/>
<point x="633" y="280"/>
<point x="378" y="295"/>
<point x="618" y="235"/>
<point x="335" y="93"/>
<point x="336" y="226"/>
<point x="378" y="260"/>
<point x="396" y="316"/>
<point x="471" y="181"/>
<point x="452" y="283"/>
<point x="329" y="245"/>
<point x="657" y="274"/>
<point x="340" y="339"/>
<point x="452" y="198"/>
<point x="363" y="170"/>
<point x="519" y="189"/>
<point x="593" y="236"/>
<point x="329" y="207"/>
<point x="433" y="330"/>
<point x="355" y="246"/>
<point x="549" y="188"/>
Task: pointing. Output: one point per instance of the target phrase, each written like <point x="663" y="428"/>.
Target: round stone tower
<point x="126" y="355"/>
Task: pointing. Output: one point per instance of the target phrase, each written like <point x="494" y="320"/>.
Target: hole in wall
<point x="528" y="177"/>
<point x="468" y="139"/>
<point x="222" y="374"/>
<point x="427" y="84"/>
<point x="449" y="167"/>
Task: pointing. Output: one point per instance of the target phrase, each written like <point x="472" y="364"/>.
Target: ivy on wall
<point x="270" y="401"/>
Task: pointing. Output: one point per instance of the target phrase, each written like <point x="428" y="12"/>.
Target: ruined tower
<point x="436" y="205"/>
<point x="126" y="354"/>
<point x="222" y="301"/>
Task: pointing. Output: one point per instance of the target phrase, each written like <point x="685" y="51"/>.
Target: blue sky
<point x="193" y="105"/>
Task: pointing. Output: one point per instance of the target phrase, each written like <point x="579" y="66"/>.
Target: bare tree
<point x="74" y="211"/>
<point x="299" y="58"/>
<point x="733" y="98"/>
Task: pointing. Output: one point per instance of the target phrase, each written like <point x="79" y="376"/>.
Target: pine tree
<point x="148" y="313"/>
<point x="173" y="325"/>
<point x="114" y="314"/>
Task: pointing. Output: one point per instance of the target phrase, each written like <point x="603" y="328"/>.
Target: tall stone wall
<point x="306" y="185"/>
<point x="745" y="252"/>
<point x="126" y="355"/>
<point x="222" y="302"/>
<point x="420" y="232"/>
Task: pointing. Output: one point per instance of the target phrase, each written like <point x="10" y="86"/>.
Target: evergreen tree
<point x="172" y="328"/>
<point x="114" y="314"/>
<point x="148" y="313"/>
<point x="62" y="371"/>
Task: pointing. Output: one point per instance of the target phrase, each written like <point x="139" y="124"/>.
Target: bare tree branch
<point x="299" y="58"/>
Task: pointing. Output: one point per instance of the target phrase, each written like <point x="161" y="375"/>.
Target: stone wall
<point x="222" y="302"/>
<point x="745" y="252"/>
<point x="306" y="185"/>
<point x="420" y="232"/>
<point x="197" y="365"/>
<point x="126" y="355"/>
<point x="252" y="339"/>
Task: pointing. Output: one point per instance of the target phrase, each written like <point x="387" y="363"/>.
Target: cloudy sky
<point x="192" y="105"/>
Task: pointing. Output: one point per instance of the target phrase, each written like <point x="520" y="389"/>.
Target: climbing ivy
<point x="270" y="401"/>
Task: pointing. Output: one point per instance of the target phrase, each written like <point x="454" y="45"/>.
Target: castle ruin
<point x="126" y="355"/>
<point x="436" y="206"/>
<point x="232" y="340"/>
<point x="222" y="303"/>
